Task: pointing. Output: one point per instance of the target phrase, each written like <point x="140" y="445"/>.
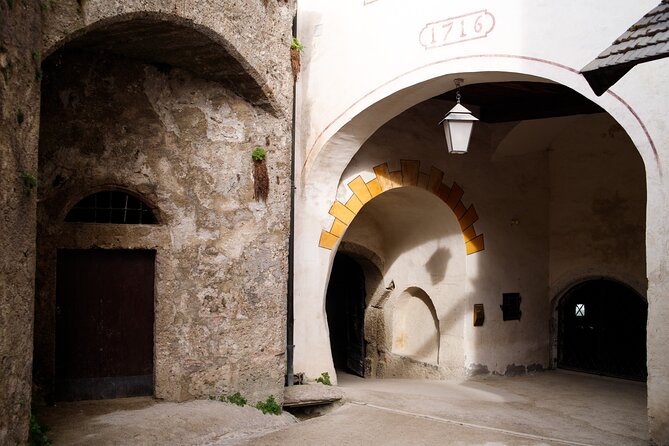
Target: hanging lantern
<point x="458" y="124"/>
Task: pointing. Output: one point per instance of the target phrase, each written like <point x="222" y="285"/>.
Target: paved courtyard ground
<point x="551" y="408"/>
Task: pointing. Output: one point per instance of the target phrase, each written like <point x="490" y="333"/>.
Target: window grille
<point x="111" y="206"/>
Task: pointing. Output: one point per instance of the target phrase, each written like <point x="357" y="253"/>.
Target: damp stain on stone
<point x="515" y="370"/>
<point x="477" y="369"/>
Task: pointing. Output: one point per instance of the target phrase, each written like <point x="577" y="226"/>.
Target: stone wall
<point x="19" y="121"/>
<point x="136" y="117"/>
<point x="184" y="145"/>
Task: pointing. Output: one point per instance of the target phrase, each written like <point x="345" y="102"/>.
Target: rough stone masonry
<point x="165" y="100"/>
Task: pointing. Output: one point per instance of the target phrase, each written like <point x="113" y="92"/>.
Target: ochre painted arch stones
<point x="408" y="175"/>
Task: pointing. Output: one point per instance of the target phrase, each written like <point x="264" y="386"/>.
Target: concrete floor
<point x="551" y="408"/>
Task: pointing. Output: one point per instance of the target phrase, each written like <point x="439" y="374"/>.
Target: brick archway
<point x="409" y="175"/>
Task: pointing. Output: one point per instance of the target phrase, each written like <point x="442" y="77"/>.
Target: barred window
<point x="111" y="206"/>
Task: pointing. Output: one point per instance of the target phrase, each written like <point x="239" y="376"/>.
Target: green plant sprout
<point x="324" y="379"/>
<point x="269" y="406"/>
<point x="37" y="432"/>
<point x="235" y="398"/>
<point x="29" y="181"/>
<point x="258" y="154"/>
<point x="296" y="45"/>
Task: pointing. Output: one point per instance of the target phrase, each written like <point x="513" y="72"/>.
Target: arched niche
<point x="138" y="101"/>
<point x="415" y="331"/>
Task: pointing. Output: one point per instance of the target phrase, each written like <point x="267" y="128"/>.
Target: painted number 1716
<point x="475" y="25"/>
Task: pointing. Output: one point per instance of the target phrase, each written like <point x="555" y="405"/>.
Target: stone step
<point x="310" y="395"/>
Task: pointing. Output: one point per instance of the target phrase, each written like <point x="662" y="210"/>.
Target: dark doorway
<point x="602" y="330"/>
<point x="104" y="323"/>
<point x="345" y="306"/>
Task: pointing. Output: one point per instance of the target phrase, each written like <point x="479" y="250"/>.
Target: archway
<point x="535" y="240"/>
<point x="408" y="243"/>
<point x="535" y="237"/>
<point x="602" y="330"/>
<point x="345" y="307"/>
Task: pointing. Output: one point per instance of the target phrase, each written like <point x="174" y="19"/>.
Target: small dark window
<point x="511" y="306"/>
<point x="111" y="206"/>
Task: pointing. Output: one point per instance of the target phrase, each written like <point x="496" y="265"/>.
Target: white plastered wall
<point x="364" y="64"/>
<point x="420" y="242"/>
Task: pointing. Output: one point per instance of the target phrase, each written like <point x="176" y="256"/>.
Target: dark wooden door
<point x="345" y="307"/>
<point x="104" y="323"/>
<point x="355" y="335"/>
<point x="603" y="330"/>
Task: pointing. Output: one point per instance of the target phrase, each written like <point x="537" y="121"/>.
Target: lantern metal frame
<point x="458" y="124"/>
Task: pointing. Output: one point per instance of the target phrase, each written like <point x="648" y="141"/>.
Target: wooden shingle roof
<point x="646" y="40"/>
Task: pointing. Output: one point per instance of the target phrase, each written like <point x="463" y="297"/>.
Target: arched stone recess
<point x="174" y="124"/>
<point x="409" y="175"/>
<point x="415" y="330"/>
<point x="204" y="38"/>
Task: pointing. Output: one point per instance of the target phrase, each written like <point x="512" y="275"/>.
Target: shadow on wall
<point x="437" y="264"/>
<point x="410" y="220"/>
<point x="168" y="40"/>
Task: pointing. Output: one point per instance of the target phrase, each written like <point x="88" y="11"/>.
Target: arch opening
<point x="560" y="192"/>
<point x="602" y="330"/>
<point x="416" y="244"/>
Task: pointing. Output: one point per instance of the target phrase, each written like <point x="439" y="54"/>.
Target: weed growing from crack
<point x="269" y="406"/>
<point x="324" y="379"/>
